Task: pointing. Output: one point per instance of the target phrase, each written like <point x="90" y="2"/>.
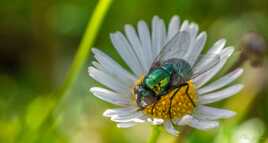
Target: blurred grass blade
<point x="36" y="112"/>
<point x="78" y="62"/>
<point x="85" y="46"/>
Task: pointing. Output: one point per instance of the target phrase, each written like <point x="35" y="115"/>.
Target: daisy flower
<point x="140" y="48"/>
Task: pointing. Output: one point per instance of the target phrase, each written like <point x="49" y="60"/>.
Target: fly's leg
<point x="187" y="93"/>
<point x="170" y="104"/>
<point x="171" y="99"/>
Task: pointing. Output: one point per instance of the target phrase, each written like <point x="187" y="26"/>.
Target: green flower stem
<point x="85" y="46"/>
<point x="155" y="134"/>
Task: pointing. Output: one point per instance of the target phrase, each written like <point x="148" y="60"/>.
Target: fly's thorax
<point x="174" y="104"/>
<point x="158" y="80"/>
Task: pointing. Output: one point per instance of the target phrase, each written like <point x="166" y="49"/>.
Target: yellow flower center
<point x="175" y="104"/>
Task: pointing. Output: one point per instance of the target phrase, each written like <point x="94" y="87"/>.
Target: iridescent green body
<point x="158" y="79"/>
<point x="169" y="74"/>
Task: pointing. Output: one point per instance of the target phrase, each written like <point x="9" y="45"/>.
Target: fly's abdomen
<point x="183" y="69"/>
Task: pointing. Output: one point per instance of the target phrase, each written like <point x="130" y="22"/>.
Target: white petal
<point x="193" y="30"/>
<point x="109" y="81"/>
<point x="217" y="47"/>
<point x="209" y="113"/>
<point x="127" y="118"/>
<point x="124" y="118"/>
<point x="158" y="121"/>
<point x="145" y="39"/>
<point x="109" y="73"/>
<point x="198" y="124"/>
<point x="212" y="52"/>
<point x="124" y="49"/>
<point x="205" y="77"/>
<point x="170" y="128"/>
<point x="155" y="121"/>
<point x="135" y="45"/>
<point x="126" y="125"/>
<point x="139" y="120"/>
<point x="163" y="34"/>
<point x="177" y="46"/>
<point x="195" y="50"/>
<point x="113" y="67"/>
<point x="184" y="42"/>
<point x="225" y="80"/>
<point x="185" y="26"/>
<point x="98" y="66"/>
<point x="119" y="111"/>
<point x="173" y="27"/>
<point x="136" y="117"/>
<point x="158" y="35"/>
<point x="220" y="95"/>
<point x="110" y="96"/>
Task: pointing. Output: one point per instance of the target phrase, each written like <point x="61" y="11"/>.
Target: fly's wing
<point x="176" y="47"/>
<point x="206" y="62"/>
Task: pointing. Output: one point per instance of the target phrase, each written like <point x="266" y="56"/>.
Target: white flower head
<point x="140" y="49"/>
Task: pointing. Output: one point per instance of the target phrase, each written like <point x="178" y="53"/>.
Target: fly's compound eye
<point x="145" y="97"/>
<point x="143" y="101"/>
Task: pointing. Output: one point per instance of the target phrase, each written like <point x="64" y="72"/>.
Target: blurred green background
<point x="38" y="40"/>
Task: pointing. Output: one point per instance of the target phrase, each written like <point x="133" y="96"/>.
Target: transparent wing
<point x="176" y="47"/>
<point x="206" y="62"/>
